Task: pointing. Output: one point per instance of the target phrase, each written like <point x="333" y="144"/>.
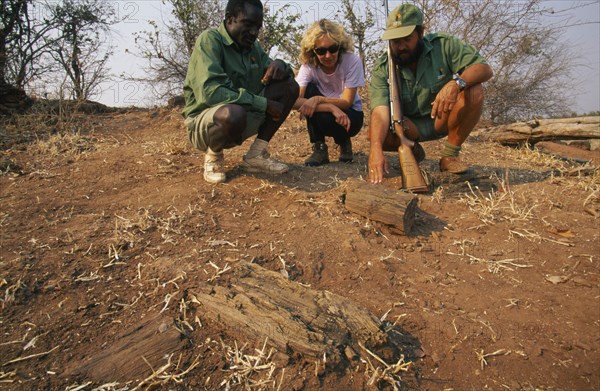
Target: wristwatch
<point x="462" y="84"/>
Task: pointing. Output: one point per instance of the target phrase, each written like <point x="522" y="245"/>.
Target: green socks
<point x="450" y="150"/>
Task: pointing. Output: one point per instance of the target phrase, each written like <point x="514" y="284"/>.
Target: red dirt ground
<point x="498" y="283"/>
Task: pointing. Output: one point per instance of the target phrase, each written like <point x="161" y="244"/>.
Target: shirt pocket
<point x="255" y="70"/>
<point x="253" y="78"/>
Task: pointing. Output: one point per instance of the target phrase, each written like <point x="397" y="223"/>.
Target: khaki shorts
<point x="198" y="126"/>
<point x="426" y="128"/>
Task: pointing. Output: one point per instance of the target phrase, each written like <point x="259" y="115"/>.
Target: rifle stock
<point x="412" y="177"/>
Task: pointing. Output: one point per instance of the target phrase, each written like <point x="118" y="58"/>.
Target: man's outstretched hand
<point x="275" y="72"/>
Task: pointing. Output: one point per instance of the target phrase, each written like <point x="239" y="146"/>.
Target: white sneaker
<point x="264" y="163"/>
<point x="214" y="172"/>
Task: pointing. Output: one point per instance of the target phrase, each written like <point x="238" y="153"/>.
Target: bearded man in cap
<point x="442" y="95"/>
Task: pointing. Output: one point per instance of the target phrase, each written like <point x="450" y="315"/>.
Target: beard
<point x="410" y="56"/>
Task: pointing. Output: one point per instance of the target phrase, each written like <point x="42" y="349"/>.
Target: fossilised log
<point x="577" y="128"/>
<point x="261" y="304"/>
<point x="382" y="204"/>
<point x="129" y="356"/>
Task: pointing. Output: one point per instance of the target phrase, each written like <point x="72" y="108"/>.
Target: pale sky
<point x="583" y="38"/>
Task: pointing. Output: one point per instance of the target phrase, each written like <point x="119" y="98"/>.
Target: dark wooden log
<point x="380" y="203"/>
<point x="263" y="305"/>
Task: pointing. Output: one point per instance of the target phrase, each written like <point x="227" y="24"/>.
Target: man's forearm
<point x="379" y="126"/>
<point x="477" y="74"/>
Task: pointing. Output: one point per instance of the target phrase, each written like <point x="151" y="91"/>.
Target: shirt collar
<point x="226" y="38"/>
<point x="428" y="46"/>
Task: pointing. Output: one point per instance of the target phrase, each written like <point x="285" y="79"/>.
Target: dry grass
<point x="585" y="177"/>
<point x="438" y="195"/>
<point x="162" y="375"/>
<point x="467" y="247"/>
<point x="5" y="377"/>
<point x="381" y="373"/>
<point x="31" y="356"/>
<point x="582" y="180"/>
<point x="10" y="291"/>
<point x="250" y="371"/>
<point x="63" y="144"/>
<point x="175" y="145"/>
<point x="482" y="357"/>
<point x="43" y="119"/>
<point x="129" y="227"/>
<point x="498" y="206"/>
<point x="530" y="157"/>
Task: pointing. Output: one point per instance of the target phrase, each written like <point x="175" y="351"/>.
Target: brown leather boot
<point x="319" y="156"/>
<point x="453" y="165"/>
<point x="346" y="154"/>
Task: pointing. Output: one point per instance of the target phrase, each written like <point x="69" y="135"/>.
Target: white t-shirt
<point x="348" y="74"/>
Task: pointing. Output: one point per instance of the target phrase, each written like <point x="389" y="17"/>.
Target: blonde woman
<point x="329" y="78"/>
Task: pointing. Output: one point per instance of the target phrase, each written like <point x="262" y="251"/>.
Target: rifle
<point x="412" y="177"/>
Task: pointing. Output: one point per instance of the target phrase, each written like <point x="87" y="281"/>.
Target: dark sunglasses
<point x="322" y="51"/>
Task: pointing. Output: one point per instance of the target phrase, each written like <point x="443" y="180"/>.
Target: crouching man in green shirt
<point x="233" y="90"/>
<point x="442" y="95"/>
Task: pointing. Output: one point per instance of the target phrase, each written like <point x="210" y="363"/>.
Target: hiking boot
<point x="418" y="152"/>
<point x="453" y="165"/>
<point x="263" y="162"/>
<point x="214" y="172"/>
<point x="319" y="156"/>
<point x="346" y="155"/>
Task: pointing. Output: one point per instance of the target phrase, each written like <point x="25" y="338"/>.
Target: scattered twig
<point x="481" y="356"/>
<point x="390" y="373"/>
<point x="4" y="376"/>
<point x="19" y="359"/>
<point x="244" y="368"/>
<point x="219" y="271"/>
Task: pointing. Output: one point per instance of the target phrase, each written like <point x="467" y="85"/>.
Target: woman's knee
<point x="323" y="120"/>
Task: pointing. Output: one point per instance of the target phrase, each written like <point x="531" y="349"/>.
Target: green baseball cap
<point x="402" y="21"/>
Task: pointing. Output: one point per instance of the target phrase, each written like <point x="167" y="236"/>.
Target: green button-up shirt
<point x="443" y="55"/>
<point x="221" y="72"/>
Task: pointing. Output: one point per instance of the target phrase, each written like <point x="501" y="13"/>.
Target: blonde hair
<point x="318" y="29"/>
